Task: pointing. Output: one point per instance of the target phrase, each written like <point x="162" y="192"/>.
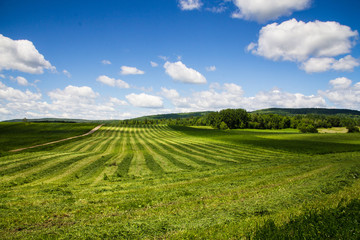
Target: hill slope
<point x="295" y="111"/>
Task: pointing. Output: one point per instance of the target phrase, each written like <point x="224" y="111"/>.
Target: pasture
<point x="162" y="182"/>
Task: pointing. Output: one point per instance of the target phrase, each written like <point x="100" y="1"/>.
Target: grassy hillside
<point x="146" y="182"/>
<point x="173" y="116"/>
<point x="294" y="111"/>
<point x="19" y="135"/>
<point x="59" y="120"/>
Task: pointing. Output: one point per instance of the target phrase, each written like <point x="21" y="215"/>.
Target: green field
<point x="19" y="135"/>
<point x="161" y="182"/>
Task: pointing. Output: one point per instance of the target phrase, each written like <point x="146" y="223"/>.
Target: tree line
<point x="241" y="119"/>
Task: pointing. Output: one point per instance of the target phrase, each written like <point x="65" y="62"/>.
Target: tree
<point x="307" y="128"/>
<point x="223" y="126"/>
<point x="352" y="129"/>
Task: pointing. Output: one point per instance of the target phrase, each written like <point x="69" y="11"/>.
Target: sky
<point x="123" y="59"/>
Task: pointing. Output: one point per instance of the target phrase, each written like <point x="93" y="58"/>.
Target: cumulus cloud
<point x="340" y="83"/>
<point x="21" y="55"/>
<point x="314" y="44"/>
<point x="278" y="98"/>
<point x="112" y="82"/>
<point x="145" y="100"/>
<point x="4" y="111"/>
<point x="106" y="62"/>
<point x="343" y="94"/>
<point x="153" y="64"/>
<point x="190" y="4"/>
<point x="15" y="95"/>
<point x="217" y="97"/>
<point x="264" y="10"/>
<point x="74" y="101"/>
<point x="169" y="93"/>
<point x="118" y="102"/>
<point x="20" y="80"/>
<point x="73" y="94"/>
<point x="179" y="72"/>
<point x="70" y="102"/>
<point x="125" y="70"/>
<point x="66" y="73"/>
<point x="211" y="68"/>
<point x="347" y="63"/>
<point x="230" y="95"/>
<point x="295" y="40"/>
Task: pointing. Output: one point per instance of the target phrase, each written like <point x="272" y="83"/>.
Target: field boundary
<point x="61" y="140"/>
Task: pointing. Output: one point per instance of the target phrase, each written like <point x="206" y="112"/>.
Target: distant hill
<point x="59" y="120"/>
<point x="280" y="111"/>
<point x="295" y="111"/>
<point x="173" y="116"/>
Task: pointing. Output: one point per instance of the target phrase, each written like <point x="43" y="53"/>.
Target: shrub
<point x="307" y="128"/>
<point x="352" y="129"/>
<point x="223" y="126"/>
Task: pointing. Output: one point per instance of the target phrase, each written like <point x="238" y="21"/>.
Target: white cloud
<point x="163" y="58"/>
<point x="153" y="64"/>
<point x="298" y="41"/>
<point x="118" y="102"/>
<point x="4" y="111"/>
<point x="125" y="70"/>
<point x="2" y="75"/>
<point x="22" y="81"/>
<point x="112" y="82"/>
<point x="145" y="100"/>
<point x="70" y="102"/>
<point x="179" y="72"/>
<point x="211" y="68"/>
<point x="277" y="98"/>
<point x="79" y="102"/>
<point x="343" y="94"/>
<point x="73" y="94"/>
<point x="340" y="83"/>
<point x="347" y="63"/>
<point x="190" y="4"/>
<point x="15" y="95"/>
<point x="230" y="95"/>
<point x="21" y="55"/>
<point x="314" y="44"/>
<point x="66" y="73"/>
<point x="106" y="62"/>
<point x="318" y="65"/>
<point x="217" y="97"/>
<point x="218" y="9"/>
<point x="264" y="10"/>
<point x="169" y="93"/>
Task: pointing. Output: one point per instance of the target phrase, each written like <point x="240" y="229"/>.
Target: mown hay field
<point x="162" y="182"/>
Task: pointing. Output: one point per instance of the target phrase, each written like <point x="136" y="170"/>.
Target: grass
<point x="160" y="182"/>
<point x="19" y="135"/>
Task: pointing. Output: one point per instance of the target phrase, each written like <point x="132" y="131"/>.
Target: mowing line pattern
<point x="118" y="151"/>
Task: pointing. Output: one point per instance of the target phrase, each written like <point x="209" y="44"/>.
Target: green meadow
<point x="171" y="182"/>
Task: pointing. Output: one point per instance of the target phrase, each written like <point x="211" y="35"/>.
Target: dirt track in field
<point x="57" y="141"/>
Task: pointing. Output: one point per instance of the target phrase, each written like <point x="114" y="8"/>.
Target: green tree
<point x="223" y="126"/>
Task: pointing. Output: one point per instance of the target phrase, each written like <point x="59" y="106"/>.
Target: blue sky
<point x="123" y="59"/>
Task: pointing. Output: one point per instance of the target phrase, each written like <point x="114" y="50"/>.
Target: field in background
<point x="181" y="182"/>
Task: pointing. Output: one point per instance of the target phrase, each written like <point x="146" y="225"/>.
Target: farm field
<point x="18" y="135"/>
<point x="162" y="182"/>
